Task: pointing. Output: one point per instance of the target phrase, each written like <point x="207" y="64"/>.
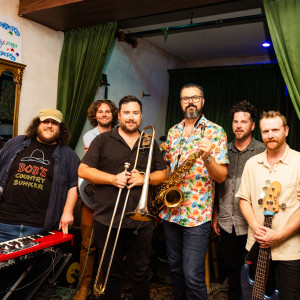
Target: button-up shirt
<point x="198" y="186"/>
<point x="229" y="208"/>
<point x="108" y="153"/>
<point x="257" y="175"/>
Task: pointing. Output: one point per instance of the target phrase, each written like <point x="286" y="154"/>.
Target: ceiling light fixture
<point x="266" y="44"/>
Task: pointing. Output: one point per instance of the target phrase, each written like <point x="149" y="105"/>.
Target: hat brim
<point x="43" y="118"/>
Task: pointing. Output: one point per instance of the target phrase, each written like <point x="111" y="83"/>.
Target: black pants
<point x="288" y="279"/>
<point x="233" y="247"/>
<point x="137" y="249"/>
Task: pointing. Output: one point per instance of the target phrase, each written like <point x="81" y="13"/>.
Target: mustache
<point x="191" y="105"/>
<point x="271" y="140"/>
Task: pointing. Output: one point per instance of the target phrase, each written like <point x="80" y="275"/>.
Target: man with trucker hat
<point x="38" y="179"/>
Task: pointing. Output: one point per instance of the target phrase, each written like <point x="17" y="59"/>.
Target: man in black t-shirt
<point x="38" y="179"/>
<point x="103" y="165"/>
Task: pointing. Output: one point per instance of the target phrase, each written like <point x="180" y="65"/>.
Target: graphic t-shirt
<point x="26" y="195"/>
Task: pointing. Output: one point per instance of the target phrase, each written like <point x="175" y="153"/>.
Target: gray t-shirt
<point x="89" y="136"/>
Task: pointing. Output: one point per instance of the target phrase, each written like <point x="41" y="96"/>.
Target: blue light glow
<point x="266" y="44"/>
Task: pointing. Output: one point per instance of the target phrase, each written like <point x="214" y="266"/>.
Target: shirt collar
<point x="250" y="147"/>
<point x="285" y="159"/>
<point x="202" y="122"/>
<point x="115" y="134"/>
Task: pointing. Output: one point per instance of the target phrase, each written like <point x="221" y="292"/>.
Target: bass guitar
<point x="86" y="191"/>
<point x="255" y="289"/>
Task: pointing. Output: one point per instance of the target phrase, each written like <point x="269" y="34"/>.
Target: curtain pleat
<point x="283" y="22"/>
<point x="84" y="54"/>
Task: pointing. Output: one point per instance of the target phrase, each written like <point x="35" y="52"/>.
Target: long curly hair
<point x="92" y="110"/>
<point x="64" y="132"/>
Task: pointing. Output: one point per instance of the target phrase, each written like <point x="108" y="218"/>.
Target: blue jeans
<point x="186" y="250"/>
<point x="10" y="232"/>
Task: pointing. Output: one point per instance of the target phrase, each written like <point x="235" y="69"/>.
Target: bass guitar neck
<point x="255" y="289"/>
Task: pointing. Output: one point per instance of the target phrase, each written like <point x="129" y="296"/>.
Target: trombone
<point x="141" y="213"/>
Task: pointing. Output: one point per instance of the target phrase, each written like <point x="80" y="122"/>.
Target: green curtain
<point x="84" y="53"/>
<point x="283" y="22"/>
<point x="261" y="84"/>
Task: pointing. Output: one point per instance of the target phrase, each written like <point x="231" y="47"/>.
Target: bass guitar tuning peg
<point x="282" y="205"/>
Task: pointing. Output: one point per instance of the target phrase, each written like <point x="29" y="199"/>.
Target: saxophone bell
<point x="173" y="197"/>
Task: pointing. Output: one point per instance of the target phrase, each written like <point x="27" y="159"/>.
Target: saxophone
<point x="167" y="193"/>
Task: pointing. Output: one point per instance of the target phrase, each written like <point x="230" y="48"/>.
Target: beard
<point x="104" y="123"/>
<point x="242" y="135"/>
<point x="48" y="140"/>
<point x="129" y="130"/>
<point x="274" y="144"/>
<point x="191" y="114"/>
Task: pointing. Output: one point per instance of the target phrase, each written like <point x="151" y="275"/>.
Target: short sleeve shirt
<point x="90" y="135"/>
<point x="109" y="152"/>
<point x="230" y="214"/>
<point x="256" y="176"/>
<point x="198" y="186"/>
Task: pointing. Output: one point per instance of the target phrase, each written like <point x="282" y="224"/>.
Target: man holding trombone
<point x="103" y="165"/>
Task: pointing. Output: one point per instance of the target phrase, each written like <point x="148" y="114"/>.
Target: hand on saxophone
<point x="120" y="180"/>
<point x="136" y="179"/>
<point x="205" y="145"/>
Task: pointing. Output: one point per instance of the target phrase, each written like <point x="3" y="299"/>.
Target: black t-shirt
<point x="26" y="194"/>
<point x="108" y="152"/>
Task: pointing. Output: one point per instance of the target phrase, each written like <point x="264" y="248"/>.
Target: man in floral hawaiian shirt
<point x="187" y="227"/>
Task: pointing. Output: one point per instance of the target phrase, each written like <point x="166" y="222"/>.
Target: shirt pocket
<point x="288" y="194"/>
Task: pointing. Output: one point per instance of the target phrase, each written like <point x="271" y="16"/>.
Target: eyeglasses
<point x="195" y="99"/>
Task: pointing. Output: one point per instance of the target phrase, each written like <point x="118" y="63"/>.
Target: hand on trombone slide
<point x="130" y="179"/>
<point x="120" y="180"/>
<point x="136" y="178"/>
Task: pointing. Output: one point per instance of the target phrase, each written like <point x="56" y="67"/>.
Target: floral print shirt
<point x="198" y="187"/>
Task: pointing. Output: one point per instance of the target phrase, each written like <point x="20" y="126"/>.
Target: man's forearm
<point x="157" y="177"/>
<point x="94" y="175"/>
<point x="248" y="213"/>
<point x="71" y="200"/>
<point x="292" y="226"/>
<point x="67" y="217"/>
<point x="216" y="171"/>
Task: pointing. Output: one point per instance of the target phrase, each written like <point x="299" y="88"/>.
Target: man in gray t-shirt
<point x="103" y="116"/>
<point x="228" y="221"/>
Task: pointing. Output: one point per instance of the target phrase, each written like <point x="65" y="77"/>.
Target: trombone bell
<point x="140" y="215"/>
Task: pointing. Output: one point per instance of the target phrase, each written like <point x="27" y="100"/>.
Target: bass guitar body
<point x="247" y="287"/>
<point x="86" y="193"/>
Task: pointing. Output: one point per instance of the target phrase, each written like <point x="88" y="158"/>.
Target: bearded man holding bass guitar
<point x="282" y="164"/>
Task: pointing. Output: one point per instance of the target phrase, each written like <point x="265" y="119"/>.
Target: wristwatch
<point x="208" y="159"/>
